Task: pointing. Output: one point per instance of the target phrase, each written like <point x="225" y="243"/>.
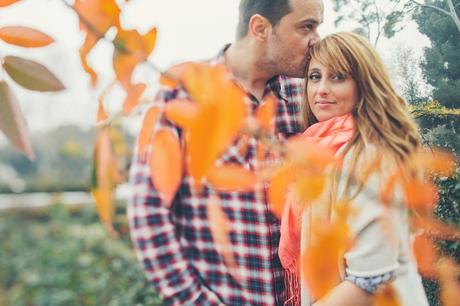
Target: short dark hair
<point x="273" y="10"/>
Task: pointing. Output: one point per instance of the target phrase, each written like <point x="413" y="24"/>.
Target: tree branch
<point x="431" y="6"/>
<point x="120" y="47"/>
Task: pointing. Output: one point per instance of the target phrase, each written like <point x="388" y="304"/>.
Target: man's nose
<point x="314" y="39"/>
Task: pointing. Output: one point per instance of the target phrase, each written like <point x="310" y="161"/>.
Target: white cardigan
<point x="382" y="241"/>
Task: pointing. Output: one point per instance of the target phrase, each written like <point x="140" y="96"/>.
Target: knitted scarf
<point x="331" y="134"/>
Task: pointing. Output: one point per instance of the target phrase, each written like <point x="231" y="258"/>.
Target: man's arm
<point x="155" y="238"/>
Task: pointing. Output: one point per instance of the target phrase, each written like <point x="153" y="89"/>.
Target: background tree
<point x="373" y="19"/>
<point x="441" y="67"/>
<point x="409" y="78"/>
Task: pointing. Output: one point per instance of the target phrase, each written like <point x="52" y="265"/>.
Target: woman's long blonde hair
<point x="381" y="116"/>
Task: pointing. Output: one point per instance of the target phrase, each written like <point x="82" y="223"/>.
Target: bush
<point x="60" y="258"/>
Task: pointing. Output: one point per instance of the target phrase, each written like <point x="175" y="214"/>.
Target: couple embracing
<point x="334" y="92"/>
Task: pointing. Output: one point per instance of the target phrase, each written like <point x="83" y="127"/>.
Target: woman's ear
<point x="259" y="27"/>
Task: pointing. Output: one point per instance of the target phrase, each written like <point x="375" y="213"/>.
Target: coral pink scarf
<point x="331" y="134"/>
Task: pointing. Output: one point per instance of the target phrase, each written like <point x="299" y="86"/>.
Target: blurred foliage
<point x="440" y="128"/>
<point x="63" y="160"/>
<point x="441" y="66"/>
<point x="64" y="258"/>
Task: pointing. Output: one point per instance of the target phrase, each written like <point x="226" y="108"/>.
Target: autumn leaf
<point x="322" y="256"/>
<point x="103" y="179"/>
<point x="12" y="121"/>
<point x="132" y="49"/>
<point x="439" y="162"/>
<point x="101" y="113"/>
<point x="166" y="163"/>
<point x="150" y="119"/>
<point x="96" y="18"/>
<point x="278" y="189"/>
<point x="231" y="178"/>
<point x="181" y="112"/>
<point x="436" y="229"/>
<point x="450" y="286"/>
<point x="220" y="230"/>
<point x="426" y="256"/>
<point x="420" y="196"/>
<point x="174" y="76"/>
<point x="133" y="97"/>
<point x="309" y="187"/>
<point x="301" y="150"/>
<point x="265" y="113"/>
<point x="387" y="190"/>
<point x="386" y="296"/>
<point x="221" y="112"/>
<point x="24" y="37"/>
<point x="31" y="75"/>
<point x="4" y="3"/>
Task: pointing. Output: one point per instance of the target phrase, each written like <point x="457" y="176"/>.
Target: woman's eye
<point x="314" y="76"/>
<point x="339" y="76"/>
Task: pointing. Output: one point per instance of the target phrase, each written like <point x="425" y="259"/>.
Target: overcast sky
<point x="187" y="30"/>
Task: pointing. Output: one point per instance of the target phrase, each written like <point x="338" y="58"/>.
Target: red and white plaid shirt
<point x="175" y="245"/>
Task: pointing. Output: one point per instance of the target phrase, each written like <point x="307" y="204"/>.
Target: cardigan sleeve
<point x="375" y="248"/>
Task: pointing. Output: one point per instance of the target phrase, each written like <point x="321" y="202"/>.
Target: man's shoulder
<point x="291" y="89"/>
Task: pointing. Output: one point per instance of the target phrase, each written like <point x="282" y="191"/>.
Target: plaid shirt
<point x="175" y="245"/>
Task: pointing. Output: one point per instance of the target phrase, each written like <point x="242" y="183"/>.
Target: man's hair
<point x="273" y="10"/>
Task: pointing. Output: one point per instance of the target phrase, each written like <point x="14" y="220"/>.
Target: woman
<point x="352" y="109"/>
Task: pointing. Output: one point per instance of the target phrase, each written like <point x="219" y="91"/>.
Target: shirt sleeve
<point x="154" y="233"/>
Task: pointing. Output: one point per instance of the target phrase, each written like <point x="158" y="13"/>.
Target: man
<point x="174" y="244"/>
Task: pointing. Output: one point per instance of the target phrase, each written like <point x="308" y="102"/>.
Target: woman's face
<point x="330" y="94"/>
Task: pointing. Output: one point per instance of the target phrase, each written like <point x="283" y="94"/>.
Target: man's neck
<point x="242" y="60"/>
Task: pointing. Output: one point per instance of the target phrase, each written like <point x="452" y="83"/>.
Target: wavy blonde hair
<point x="381" y="116"/>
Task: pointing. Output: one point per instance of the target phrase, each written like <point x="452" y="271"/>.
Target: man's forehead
<point x="307" y="10"/>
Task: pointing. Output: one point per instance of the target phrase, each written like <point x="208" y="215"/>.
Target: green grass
<point x="61" y="258"/>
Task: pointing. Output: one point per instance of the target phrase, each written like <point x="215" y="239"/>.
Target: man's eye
<point x="314" y="76"/>
<point x="309" y="26"/>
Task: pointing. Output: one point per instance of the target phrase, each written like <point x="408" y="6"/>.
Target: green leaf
<point x="12" y="121"/>
<point x="31" y="75"/>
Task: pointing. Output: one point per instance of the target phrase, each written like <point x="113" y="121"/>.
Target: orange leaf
<point x="174" y="75"/>
<point x="232" y="178"/>
<point x="309" y="187"/>
<point x="421" y="196"/>
<point x="436" y="229"/>
<point x="24" y="37"/>
<point x="166" y="165"/>
<point x="314" y="156"/>
<point x="220" y="230"/>
<point x="124" y="66"/>
<point x="222" y="110"/>
<point x="4" y="3"/>
<point x="386" y="296"/>
<point x="426" y="256"/>
<point x="450" y="286"/>
<point x="278" y="189"/>
<point x="265" y="114"/>
<point x="150" y="119"/>
<point x="181" y="112"/>
<point x="133" y="97"/>
<point x="103" y="183"/>
<point x="321" y="258"/>
<point x="101" y="113"/>
<point x="439" y="162"/>
<point x="101" y="14"/>
<point x="387" y="191"/>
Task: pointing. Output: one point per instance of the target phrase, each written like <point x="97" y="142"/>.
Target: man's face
<point x="288" y="45"/>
